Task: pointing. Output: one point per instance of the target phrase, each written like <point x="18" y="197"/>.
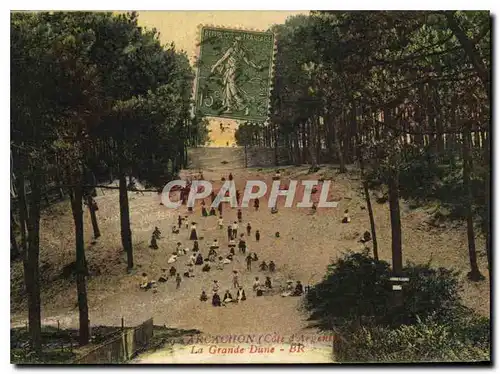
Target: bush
<point x="358" y="288"/>
<point x="355" y="300"/>
<point x="422" y="342"/>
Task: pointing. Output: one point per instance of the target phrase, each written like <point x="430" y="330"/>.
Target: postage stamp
<point x="234" y="74"/>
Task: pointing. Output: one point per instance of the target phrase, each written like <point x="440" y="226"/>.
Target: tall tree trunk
<point x="23" y="214"/>
<point x="246" y="156"/>
<point x="368" y="205"/>
<point x="487" y="187"/>
<point x="276" y="154"/>
<point x="297" y="148"/>
<point x="474" y="274"/>
<point x="32" y="269"/>
<point x="397" y="250"/>
<point x="126" y="233"/>
<point x="311" y="148"/>
<point x="14" y="248"/>
<point x="340" y="156"/>
<point x="81" y="266"/>
<point x="93" y="217"/>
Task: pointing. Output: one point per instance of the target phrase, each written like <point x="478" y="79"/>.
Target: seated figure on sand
<point x="346" y="218"/>
<point x="192" y="259"/>
<point x="299" y="289"/>
<point x="144" y="285"/>
<point x="272" y="266"/>
<point x="289" y="289"/>
<point x="172" y="271"/>
<point x="220" y="263"/>
<point x="206" y="268"/>
<point x="228" y="259"/>
<point x="267" y="283"/>
<point x="216" y="299"/>
<point x="256" y="283"/>
<point x="179" y="250"/>
<point x="203" y="296"/>
<point x="172" y="258"/>
<point x="212" y="252"/>
<point x="263" y="266"/>
<point x="277" y="175"/>
<point x="164" y="276"/>
<point x="175" y="229"/>
<point x="227" y="297"/>
<point x="240" y="296"/>
<point x="199" y="259"/>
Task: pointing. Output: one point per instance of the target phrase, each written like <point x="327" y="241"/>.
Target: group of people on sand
<point x="227" y="297"/>
<point x="215" y="258"/>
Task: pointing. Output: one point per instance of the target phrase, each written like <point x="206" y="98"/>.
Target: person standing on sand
<point x="194" y="234"/>
<point x="235" y="230"/>
<point x="249" y="260"/>
<point x="249" y="229"/>
<point x="229" y="232"/>
<point x="236" y="283"/>
<point x="256" y="204"/>
<point x="178" y="280"/>
<point x="257" y="235"/>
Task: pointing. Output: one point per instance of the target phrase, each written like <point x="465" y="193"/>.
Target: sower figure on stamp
<point x="233" y="97"/>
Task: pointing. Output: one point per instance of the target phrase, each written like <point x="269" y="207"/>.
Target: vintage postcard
<point x="250" y="187"/>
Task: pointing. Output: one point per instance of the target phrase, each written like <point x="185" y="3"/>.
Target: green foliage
<point x="102" y="74"/>
<point x="356" y="300"/>
<point x="425" y="341"/>
<point x="357" y="287"/>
